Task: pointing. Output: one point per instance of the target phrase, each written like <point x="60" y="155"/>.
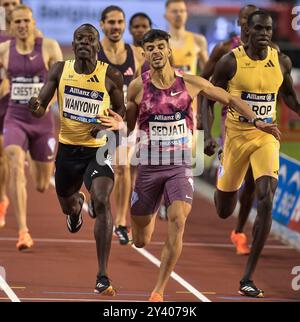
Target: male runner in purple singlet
<point x="26" y="59"/>
<point x="5" y="35"/>
<point x="160" y="102"/>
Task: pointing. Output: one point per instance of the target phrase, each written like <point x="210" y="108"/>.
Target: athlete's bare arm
<point x="38" y="105"/>
<point x="114" y="87"/>
<point x="287" y="90"/>
<point x="4" y="49"/>
<point x="134" y="97"/>
<point x="199" y="85"/>
<point x="139" y="59"/>
<point x="51" y="52"/>
<point x="216" y="54"/>
<point x="204" y="109"/>
<point x="224" y="71"/>
<point x="201" y="42"/>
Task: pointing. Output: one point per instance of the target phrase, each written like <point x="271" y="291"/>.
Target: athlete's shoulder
<point x="225" y="46"/>
<point x="239" y="51"/>
<point x="226" y="67"/>
<point x="57" y="68"/>
<point x="4" y="46"/>
<point x="138" y="54"/>
<point x="49" y="42"/>
<point x="220" y="50"/>
<point x="38" y="33"/>
<point x="113" y="73"/>
<point x="228" y="58"/>
<point x="200" y="40"/>
<point x="274" y="46"/>
<point x="136" y="82"/>
<point x="285" y="62"/>
<point x="193" y="79"/>
<point x="135" y="86"/>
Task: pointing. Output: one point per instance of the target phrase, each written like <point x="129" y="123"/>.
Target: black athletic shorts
<point x="77" y="164"/>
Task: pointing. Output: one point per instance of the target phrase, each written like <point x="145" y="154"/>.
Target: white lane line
<point x="70" y="300"/>
<point x="156" y="243"/>
<point x="155" y="261"/>
<point x="9" y="292"/>
<point x="175" y="276"/>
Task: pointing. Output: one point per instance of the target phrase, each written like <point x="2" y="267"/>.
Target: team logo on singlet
<point x="23" y="88"/>
<point x="129" y="72"/>
<point x="262" y="104"/>
<point x="82" y="105"/>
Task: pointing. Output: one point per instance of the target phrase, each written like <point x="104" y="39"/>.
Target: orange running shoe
<point x="156" y="297"/>
<point x="3" y="207"/>
<point x="240" y="242"/>
<point x="25" y="241"/>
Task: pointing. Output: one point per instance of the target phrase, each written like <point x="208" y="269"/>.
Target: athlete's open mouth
<point x="116" y="33"/>
<point x="83" y="49"/>
<point x="158" y="58"/>
<point x="263" y="39"/>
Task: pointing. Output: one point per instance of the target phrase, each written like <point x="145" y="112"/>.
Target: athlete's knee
<point x="41" y="187"/>
<point x="101" y="203"/>
<point x="177" y="221"/>
<point x="16" y="168"/>
<point x="224" y="206"/>
<point x="69" y="205"/>
<point x="140" y="241"/>
<point x="121" y="170"/>
<point x="264" y="200"/>
<point x="222" y="211"/>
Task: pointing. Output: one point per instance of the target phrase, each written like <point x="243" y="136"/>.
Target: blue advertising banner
<point x="286" y="205"/>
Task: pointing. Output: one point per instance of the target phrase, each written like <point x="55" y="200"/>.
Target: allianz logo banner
<point x="286" y="205"/>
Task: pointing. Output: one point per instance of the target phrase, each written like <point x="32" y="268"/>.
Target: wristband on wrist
<point x="36" y="109"/>
<point x="257" y="119"/>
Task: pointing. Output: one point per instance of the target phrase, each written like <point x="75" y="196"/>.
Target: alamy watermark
<point x="139" y="149"/>
<point x="296" y="19"/>
<point x="296" y="279"/>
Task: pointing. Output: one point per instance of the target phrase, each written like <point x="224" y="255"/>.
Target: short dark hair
<point x="87" y="25"/>
<point x="108" y="10"/>
<point x="261" y="13"/>
<point x="140" y="14"/>
<point x="168" y="2"/>
<point x="154" y="34"/>
<point x="248" y="6"/>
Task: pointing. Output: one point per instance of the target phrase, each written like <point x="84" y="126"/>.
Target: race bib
<point x="82" y="105"/>
<point x="23" y="88"/>
<point x="168" y="129"/>
<point x="263" y="105"/>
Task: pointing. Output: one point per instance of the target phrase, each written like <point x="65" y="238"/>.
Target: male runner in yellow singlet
<point x="86" y="89"/>
<point x="255" y="72"/>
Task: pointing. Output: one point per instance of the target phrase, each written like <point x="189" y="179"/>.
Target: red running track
<point x="62" y="267"/>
